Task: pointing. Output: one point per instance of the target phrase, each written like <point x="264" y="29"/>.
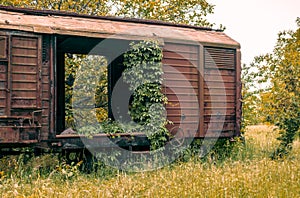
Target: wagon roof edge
<point x="68" y="23"/>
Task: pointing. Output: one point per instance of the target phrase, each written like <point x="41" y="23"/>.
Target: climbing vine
<point x="143" y="73"/>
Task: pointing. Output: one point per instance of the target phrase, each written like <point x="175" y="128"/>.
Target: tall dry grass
<point x="248" y="172"/>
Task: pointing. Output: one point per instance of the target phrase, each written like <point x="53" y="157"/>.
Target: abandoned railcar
<point x="201" y="72"/>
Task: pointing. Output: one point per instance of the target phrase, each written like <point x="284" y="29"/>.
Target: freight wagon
<point x="201" y="74"/>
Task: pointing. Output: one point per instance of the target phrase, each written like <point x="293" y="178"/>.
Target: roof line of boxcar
<point x="112" y="18"/>
<point x="66" y="23"/>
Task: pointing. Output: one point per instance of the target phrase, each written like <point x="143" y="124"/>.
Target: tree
<point x="92" y="7"/>
<point x="177" y="11"/>
<point x="250" y="100"/>
<point x="96" y="65"/>
<point x="280" y="73"/>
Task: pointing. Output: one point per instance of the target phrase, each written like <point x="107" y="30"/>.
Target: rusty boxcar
<point x="32" y="48"/>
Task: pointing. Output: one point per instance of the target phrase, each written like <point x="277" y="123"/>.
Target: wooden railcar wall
<point x="183" y="81"/>
<point x="3" y="74"/>
<point x="220" y="91"/>
<point x="25" y="83"/>
<point x="212" y="74"/>
<point x="47" y="93"/>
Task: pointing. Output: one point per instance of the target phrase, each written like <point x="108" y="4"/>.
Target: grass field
<point x="248" y="172"/>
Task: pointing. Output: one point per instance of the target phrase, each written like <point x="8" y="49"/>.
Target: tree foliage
<point x="87" y="74"/>
<point x="279" y="75"/>
<point x="178" y="11"/>
<point x="250" y="100"/>
<point x="92" y="7"/>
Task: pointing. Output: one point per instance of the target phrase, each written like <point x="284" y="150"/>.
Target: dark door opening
<point x="80" y="60"/>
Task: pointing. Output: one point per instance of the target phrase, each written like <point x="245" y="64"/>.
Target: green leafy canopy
<point x="279" y="99"/>
<point x="177" y="11"/>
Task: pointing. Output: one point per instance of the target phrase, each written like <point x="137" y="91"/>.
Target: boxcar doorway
<point x="96" y="59"/>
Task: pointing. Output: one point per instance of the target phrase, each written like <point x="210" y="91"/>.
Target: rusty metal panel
<point x="9" y="135"/>
<point x="220" y="91"/>
<point x="19" y="129"/>
<point x="182" y="77"/>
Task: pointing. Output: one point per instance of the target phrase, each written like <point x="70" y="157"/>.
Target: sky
<point x="255" y="24"/>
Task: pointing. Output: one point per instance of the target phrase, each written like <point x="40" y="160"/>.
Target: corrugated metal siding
<point x="183" y="105"/>
<point x="220" y="91"/>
